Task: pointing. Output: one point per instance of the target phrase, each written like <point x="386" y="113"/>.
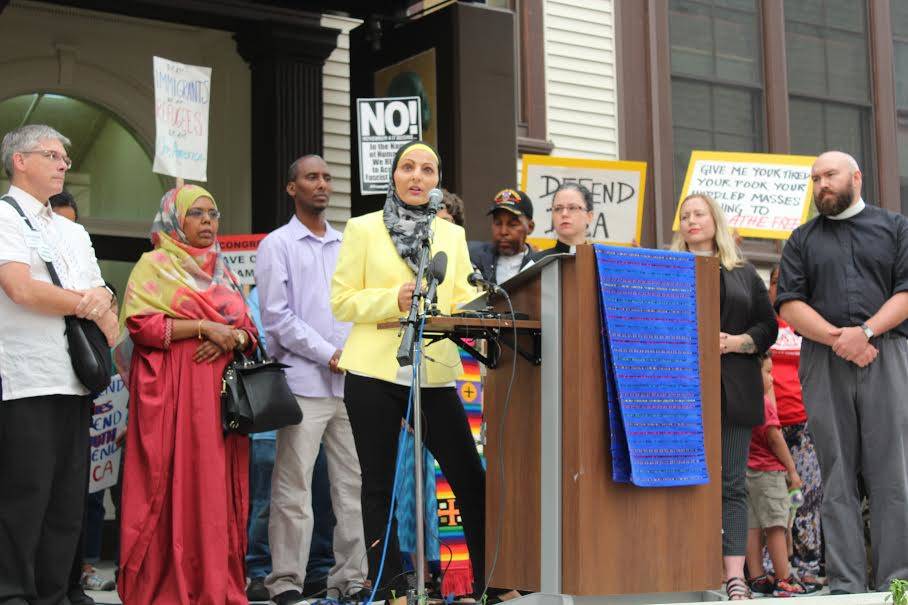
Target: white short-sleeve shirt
<point x="34" y="356"/>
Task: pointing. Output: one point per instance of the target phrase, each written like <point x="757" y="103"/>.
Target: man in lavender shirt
<point x="293" y="272"/>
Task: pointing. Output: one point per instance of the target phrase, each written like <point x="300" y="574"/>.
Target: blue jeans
<point x="258" y="555"/>
<point x="261" y="461"/>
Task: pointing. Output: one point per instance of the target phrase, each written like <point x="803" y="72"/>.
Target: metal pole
<point x="419" y="496"/>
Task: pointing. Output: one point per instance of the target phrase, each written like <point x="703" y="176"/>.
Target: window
<point x="900" y="49"/>
<point x="829" y="80"/>
<point x="717" y="82"/>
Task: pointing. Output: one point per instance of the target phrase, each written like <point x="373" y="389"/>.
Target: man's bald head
<point x="838" y="157"/>
<point x="837" y="182"/>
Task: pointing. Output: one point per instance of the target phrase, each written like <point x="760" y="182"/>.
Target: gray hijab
<point x="407" y="225"/>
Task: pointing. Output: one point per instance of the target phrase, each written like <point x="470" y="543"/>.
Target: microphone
<point x="476" y="280"/>
<point x="436" y="200"/>
<point x="438" y="267"/>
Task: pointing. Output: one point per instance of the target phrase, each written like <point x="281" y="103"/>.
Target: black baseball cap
<point x="514" y="201"/>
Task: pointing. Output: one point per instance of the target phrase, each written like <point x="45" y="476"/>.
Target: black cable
<point x="502" y="486"/>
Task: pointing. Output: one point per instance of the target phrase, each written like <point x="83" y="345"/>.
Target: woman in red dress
<point x="185" y="484"/>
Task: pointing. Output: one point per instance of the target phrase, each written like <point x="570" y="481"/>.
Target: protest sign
<point x="763" y="195"/>
<point x="617" y="189"/>
<point x="383" y="126"/>
<point x="182" y="96"/>
<point x="108" y="421"/>
<point x="239" y="252"/>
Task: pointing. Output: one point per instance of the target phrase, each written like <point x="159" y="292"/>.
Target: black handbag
<point x="88" y="348"/>
<point x="255" y="396"/>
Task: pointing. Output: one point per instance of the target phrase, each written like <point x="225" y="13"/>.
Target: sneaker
<point x="788" y="588"/>
<point x="288" y="597"/>
<point x="762" y="585"/>
<point x="256" y="590"/>
<point x="95" y="581"/>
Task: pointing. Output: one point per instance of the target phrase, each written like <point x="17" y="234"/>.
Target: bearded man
<point x="844" y="287"/>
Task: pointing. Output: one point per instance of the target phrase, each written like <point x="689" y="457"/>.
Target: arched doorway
<point x="111" y="176"/>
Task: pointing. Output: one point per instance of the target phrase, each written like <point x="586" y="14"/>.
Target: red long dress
<point x="185" y="486"/>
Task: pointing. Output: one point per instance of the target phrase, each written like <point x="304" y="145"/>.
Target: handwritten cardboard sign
<point x="617" y="189"/>
<point x="239" y="251"/>
<point x="182" y="96"/>
<point x="763" y="195"/>
<point x="108" y="421"/>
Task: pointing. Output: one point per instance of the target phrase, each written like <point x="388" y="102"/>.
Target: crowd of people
<point x="812" y="369"/>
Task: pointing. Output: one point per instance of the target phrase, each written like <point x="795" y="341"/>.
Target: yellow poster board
<point x="617" y="189"/>
<point x="763" y="195"/>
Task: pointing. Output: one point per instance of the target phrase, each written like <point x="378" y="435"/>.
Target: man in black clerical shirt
<point x="844" y="287"/>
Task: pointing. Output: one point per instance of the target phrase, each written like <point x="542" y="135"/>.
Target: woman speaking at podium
<point x="374" y="282"/>
<point x="748" y="328"/>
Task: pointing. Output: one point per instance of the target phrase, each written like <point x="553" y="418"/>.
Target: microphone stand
<point x="410" y="353"/>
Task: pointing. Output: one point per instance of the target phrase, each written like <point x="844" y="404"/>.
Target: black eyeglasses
<point x="213" y="214"/>
<point x="54" y="156"/>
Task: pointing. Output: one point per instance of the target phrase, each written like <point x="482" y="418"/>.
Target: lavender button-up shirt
<point x="293" y="272"/>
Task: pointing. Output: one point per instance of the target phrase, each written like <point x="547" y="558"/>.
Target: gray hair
<point x="26" y="138"/>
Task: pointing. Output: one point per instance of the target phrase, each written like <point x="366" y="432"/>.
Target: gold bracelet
<point x="200" y="329"/>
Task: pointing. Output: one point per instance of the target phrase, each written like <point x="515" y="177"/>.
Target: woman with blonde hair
<point x="748" y="328"/>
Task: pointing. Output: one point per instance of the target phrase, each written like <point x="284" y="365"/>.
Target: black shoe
<point x="77" y="596"/>
<point x="288" y="597"/>
<point x="256" y="590"/>
<point x="360" y="596"/>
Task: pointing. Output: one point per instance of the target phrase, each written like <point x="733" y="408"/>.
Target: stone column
<point x="286" y="65"/>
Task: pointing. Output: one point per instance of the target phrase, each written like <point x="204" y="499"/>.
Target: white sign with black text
<point x="383" y="125"/>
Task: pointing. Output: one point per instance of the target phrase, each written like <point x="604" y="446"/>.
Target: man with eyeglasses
<point x="572" y="214"/>
<point x="44" y="408"/>
<point x="508" y="252"/>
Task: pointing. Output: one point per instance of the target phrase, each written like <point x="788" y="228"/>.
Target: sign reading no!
<point x="383" y="126"/>
<point x="763" y="195"/>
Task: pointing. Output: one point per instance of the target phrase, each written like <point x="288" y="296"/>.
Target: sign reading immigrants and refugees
<point x="383" y="125"/>
<point x="763" y="195"/>
<point x="182" y="96"/>
<point x="108" y="422"/>
<point x="239" y="252"/>
<point x="617" y="189"/>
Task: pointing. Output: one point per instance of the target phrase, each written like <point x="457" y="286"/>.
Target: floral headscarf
<point x="177" y="279"/>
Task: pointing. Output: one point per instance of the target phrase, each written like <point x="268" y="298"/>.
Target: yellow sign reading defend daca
<point x="616" y="187"/>
<point x="763" y="195"/>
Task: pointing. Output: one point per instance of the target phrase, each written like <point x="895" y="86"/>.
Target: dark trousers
<point x="375" y="408"/>
<point x="735" y="447"/>
<point x="43" y="469"/>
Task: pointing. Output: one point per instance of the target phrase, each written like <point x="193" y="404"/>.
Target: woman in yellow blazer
<point x="374" y="282"/>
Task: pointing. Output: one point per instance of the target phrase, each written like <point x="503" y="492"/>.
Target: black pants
<point x="375" y="408"/>
<point x="43" y="466"/>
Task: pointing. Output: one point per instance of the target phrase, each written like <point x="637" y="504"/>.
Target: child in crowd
<point x="770" y="474"/>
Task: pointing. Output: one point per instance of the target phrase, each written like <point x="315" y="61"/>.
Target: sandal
<point x="737" y="590"/>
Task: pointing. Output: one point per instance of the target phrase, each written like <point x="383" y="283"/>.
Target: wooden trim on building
<point x="660" y="74"/>
<point x="885" y="122"/>
<point x="531" y="69"/>
<point x="775" y="80"/>
<point x="634" y="99"/>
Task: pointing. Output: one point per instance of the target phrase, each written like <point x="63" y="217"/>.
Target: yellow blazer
<point x="364" y="290"/>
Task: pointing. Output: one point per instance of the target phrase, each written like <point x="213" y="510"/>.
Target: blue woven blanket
<point x="652" y="366"/>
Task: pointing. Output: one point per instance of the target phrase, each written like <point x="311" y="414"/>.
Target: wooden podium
<point x="566" y="527"/>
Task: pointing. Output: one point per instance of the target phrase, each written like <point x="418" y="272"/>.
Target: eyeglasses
<point x="213" y="214"/>
<point x="54" y="156"/>
<point x="568" y="209"/>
